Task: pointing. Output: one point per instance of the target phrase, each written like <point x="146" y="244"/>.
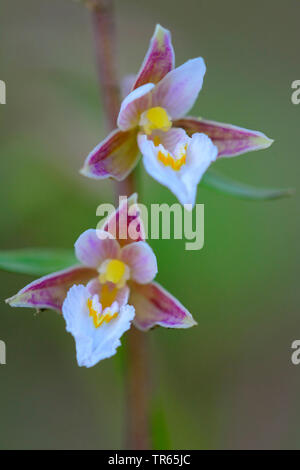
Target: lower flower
<point x="94" y="297"/>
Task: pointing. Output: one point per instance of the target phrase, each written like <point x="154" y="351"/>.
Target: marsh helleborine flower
<point x="176" y="150"/>
<point x="93" y="297"/>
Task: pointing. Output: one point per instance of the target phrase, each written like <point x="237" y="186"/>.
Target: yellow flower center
<point x="156" y="140"/>
<point x="155" y="119"/>
<point x="175" y="163"/>
<point x="99" y="318"/>
<point x="114" y="271"/>
<point x="108" y="296"/>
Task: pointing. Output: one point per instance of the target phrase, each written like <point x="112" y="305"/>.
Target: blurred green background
<point x="228" y="383"/>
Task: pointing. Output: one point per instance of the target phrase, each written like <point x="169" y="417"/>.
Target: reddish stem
<point x="137" y="435"/>
<point x="104" y="32"/>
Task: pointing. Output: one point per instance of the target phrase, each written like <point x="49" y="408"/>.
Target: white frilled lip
<point x="200" y="153"/>
<point x="93" y="344"/>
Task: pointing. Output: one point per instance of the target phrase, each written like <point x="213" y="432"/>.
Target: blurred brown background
<point x="229" y="383"/>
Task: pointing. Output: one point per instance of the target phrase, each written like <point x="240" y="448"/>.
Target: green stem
<point x="137" y="433"/>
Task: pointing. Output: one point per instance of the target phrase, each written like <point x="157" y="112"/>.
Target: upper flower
<point x="94" y="296"/>
<point x="177" y="151"/>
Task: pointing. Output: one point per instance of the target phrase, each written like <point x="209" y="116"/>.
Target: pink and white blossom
<point x="110" y="288"/>
<point x="177" y="150"/>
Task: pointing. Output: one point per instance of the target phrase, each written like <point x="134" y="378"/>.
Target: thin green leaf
<point x="227" y="185"/>
<point x="37" y="262"/>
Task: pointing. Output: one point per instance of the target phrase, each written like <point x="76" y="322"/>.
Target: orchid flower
<point x="93" y="297"/>
<point x="176" y="150"/>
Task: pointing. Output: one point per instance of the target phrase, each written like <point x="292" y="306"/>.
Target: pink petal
<point x="95" y="287"/>
<point x="230" y="140"/>
<point x="133" y="106"/>
<point x="155" y="306"/>
<point x="178" y="90"/>
<point x="93" y="247"/>
<point x="159" y="59"/>
<point x="50" y="291"/>
<point x="123" y="220"/>
<point x="115" y="157"/>
<point x="141" y="260"/>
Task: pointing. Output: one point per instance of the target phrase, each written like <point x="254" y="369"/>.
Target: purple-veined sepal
<point x="125" y="224"/>
<point x="156" y="306"/>
<point x="231" y="140"/>
<point x="115" y="157"/>
<point x="50" y="291"/>
<point x="159" y="60"/>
